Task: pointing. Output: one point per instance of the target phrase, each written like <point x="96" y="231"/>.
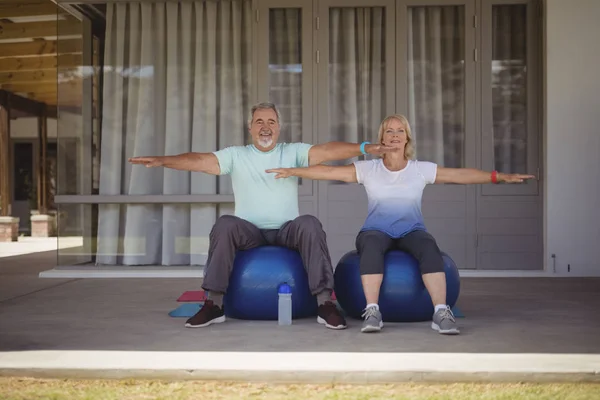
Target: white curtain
<point x="176" y="79"/>
<point x="436" y="83"/>
<point x="357" y="86"/>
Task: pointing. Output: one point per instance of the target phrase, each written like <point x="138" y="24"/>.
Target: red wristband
<point x="494" y="176"/>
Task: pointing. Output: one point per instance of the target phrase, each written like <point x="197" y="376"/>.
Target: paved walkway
<point x="304" y="367"/>
<point x="515" y="329"/>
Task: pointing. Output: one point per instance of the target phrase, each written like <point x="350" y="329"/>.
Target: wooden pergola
<point x="40" y="56"/>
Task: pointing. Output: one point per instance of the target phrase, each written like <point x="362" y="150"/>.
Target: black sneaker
<point x="330" y="316"/>
<point x="208" y="314"/>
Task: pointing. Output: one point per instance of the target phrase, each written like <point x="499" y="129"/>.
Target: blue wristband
<point x="362" y="147"/>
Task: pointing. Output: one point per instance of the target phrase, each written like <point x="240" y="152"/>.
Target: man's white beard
<point x="265" y="142"/>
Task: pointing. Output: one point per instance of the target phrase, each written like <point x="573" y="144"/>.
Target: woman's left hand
<point x="514" y="178"/>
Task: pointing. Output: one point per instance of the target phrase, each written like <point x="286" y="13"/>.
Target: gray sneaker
<point x="373" y="321"/>
<point x="444" y="322"/>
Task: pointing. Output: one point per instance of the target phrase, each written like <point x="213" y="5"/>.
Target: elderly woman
<point x="394" y="186"/>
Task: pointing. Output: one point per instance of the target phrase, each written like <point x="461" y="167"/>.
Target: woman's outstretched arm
<point x="345" y="173"/>
<point x="471" y="175"/>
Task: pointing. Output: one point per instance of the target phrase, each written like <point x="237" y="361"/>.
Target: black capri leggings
<point x="372" y="246"/>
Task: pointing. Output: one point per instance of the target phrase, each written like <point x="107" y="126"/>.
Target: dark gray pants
<point x="372" y="246"/>
<point x="304" y="234"/>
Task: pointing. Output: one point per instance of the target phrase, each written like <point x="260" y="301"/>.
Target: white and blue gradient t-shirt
<point x="395" y="196"/>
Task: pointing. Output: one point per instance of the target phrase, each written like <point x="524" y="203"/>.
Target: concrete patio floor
<point x="544" y="328"/>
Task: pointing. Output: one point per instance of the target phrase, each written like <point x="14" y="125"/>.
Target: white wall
<point x="572" y="123"/>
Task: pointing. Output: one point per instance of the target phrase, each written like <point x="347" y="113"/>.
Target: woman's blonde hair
<point x="409" y="149"/>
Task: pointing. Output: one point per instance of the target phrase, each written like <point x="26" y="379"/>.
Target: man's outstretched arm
<point x="197" y="162"/>
<point x="333" y="151"/>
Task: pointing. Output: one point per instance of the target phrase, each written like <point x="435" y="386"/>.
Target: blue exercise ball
<point x="253" y="286"/>
<point x="403" y="296"/>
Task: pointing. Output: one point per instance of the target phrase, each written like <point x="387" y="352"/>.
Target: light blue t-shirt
<point x="260" y="198"/>
<point x="395" y="196"/>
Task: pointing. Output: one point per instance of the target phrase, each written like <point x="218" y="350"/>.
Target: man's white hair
<point x="264" y="106"/>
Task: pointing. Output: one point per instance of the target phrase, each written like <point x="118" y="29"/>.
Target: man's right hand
<point x="148" y="162"/>
<point x="380" y="149"/>
<point x="197" y="162"/>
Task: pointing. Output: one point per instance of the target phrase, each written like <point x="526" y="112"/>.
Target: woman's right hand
<point x="281" y="172"/>
<point x="345" y="173"/>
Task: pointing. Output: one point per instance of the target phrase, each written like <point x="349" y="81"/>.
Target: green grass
<point x="55" y="389"/>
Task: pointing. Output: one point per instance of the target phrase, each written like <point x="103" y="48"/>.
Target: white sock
<point x="440" y="307"/>
<point x="373" y="305"/>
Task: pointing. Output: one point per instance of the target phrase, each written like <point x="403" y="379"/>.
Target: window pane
<point x="436" y="82"/>
<point x="285" y="69"/>
<point x="357" y="87"/>
<point x="509" y="87"/>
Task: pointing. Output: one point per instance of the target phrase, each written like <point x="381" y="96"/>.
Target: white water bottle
<point x="284" y="315"/>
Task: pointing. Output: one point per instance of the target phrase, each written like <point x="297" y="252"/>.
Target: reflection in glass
<point x="73" y="154"/>
<point x="72" y="158"/>
<point x="436" y="83"/>
<point x="24" y="178"/>
<point x="176" y="79"/>
<point x="509" y="87"/>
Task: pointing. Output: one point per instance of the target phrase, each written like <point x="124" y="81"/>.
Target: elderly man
<point x="266" y="209"/>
